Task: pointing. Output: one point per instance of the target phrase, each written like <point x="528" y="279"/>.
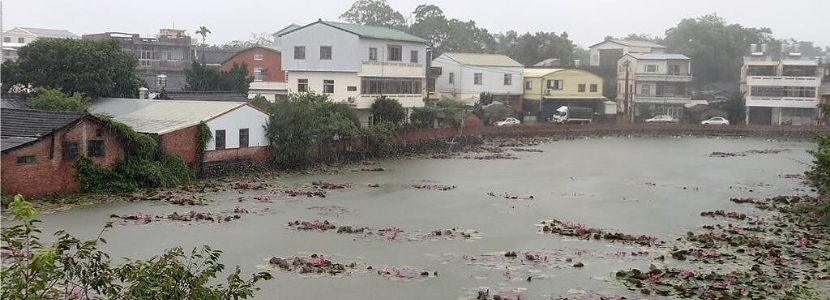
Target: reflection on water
<point x="639" y="186"/>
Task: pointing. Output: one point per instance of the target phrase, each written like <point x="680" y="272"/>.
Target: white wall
<point x="345" y="53"/>
<point x="342" y="80"/>
<point x="464" y="83"/>
<point x="383" y="55"/>
<point x="240" y="118"/>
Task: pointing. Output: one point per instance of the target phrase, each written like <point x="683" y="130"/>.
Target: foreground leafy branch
<point x="75" y="269"/>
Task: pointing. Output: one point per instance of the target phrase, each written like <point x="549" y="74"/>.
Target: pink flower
<point x="507" y="272"/>
<point x="801" y="242"/>
<point x="654" y="278"/>
<point x="686" y="273"/>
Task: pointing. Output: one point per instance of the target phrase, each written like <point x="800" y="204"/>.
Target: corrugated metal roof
<point x="374" y="32"/>
<point x="658" y="56"/>
<point x="644" y="44"/>
<point x="806" y="63"/>
<point x="485" y="60"/>
<point x="538" y="72"/>
<point x="161" y="116"/>
<point x="50" y="33"/>
<point x="287" y="29"/>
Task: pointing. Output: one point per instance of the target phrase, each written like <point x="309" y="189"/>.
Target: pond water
<point x="651" y="186"/>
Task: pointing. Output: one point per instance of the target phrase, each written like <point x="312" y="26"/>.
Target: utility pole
<point x="627" y="117"/>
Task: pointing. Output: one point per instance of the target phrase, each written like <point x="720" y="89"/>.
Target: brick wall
<point x="51" y="173"/>
<point x="271" y="62"/>
<point x="254" y="154"/>
<point x="181" y="142"/>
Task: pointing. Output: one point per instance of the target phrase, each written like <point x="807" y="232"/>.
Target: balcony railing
<point x="662" y="98"/>
<point x="663" y="77"/>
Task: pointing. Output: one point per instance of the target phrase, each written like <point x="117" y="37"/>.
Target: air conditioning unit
<point x="350" y="99"/>
<point x="548" y="91"/>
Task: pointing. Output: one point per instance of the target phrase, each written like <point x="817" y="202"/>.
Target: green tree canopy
<point x="93" y="68"/>
<point x="388" y="110"/>
<point x="374" y="13"/>
<point x="736" y="108"/>
<point x="55" y="100"/>
<point x="203" y="78"/>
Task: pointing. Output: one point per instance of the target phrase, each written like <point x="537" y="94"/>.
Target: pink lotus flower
<point x="507" y="272"/>
<point x="686" y="273"/>
<point x="654" y="278"/>
<point x="801" y="242"/>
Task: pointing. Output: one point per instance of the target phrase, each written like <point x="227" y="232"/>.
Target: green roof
<point x="374" y="32"/>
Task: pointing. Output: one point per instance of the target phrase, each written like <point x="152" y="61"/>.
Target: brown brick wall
<point x="182" y="143"/>
<point x="54" y="175"/>
<point x="271" y="62"/>
<point x="255" y="154"/>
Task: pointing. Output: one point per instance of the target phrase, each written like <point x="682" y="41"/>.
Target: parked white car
<point x="663" y="119"/>
<point x="508" y="122"/>
<point x="715" y="121"/>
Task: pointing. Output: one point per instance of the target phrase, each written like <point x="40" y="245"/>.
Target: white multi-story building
<point x="464" y="76"/>
<point x="21" y="36"/>
<point x="608" y="52"/>
<point x="355" y="64"/>
<point x="782" y="91"/>
<point x="658" y="84"/>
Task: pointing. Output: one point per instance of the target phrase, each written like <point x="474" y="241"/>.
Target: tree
<point x="55" y="100"/>
<point x="200" y="77"/>
<point x="92" y="68"/>
<point x="736" y="108"/>
<point x="387" y="110"/>
<point x="203" y="31"/>
<point x="303" y="123"/>
<point x="485" y="98"/>
<point x="431" y="25"/>
<point x="374" y="13"/>
<point x="529" y="49"/>
<point x="423" y="117"/>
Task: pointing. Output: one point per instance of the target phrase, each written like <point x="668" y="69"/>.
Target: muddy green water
<point x="599" y="182"/>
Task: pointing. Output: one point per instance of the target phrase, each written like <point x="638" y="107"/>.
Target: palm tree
<point x="203" y="31"/>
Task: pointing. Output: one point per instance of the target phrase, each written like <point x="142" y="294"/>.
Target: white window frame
<point x="452" y="78"/>
<point x="529" y="85"/>
<point x="478" y="78"/>
<point x="328" y="86"/>
<point x="413" y="56"/>
<point x="651" y="69"/>
<point x="297" y="53"/>
<point x="328" y="49"/>
<point x="373" y="54"/>
<point x="300" y="84"/>
<point x="259" y="56"/>
<point x="259" y="74"/>
<point x="508" y="79"/>
<point x="389" y="56"/>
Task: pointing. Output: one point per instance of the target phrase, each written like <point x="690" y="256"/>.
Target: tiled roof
<point x="13" y="103"/>
<point x="20" y="126"/>
<point x="484" y="60"/>
<point x="214" y="57"/>
<point x="374" y="32"/>
<point x="50" y="33"/>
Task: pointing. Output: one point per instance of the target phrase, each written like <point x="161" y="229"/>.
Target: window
<point x="674" y="69"/>
<point x="395" y="53"/>
<point x="220" y="139"/>
<point x="95" y="148"/>
<point x="528" y="85"/>
<point x="302" y="85"/>
<point x="21" y="40"/>
<point x="299" y="52"/>
<point x="645" y="90"/>
<point x="581" y="87"/>
<point x="26" y="159"/>
<point x="594" y="88"/>
<point x="243" y="138"/>
<point x="328" y="86"/>
<point x="452" y="78"/>
<point x="351" y="88"/>
<point x="477" y="78"/>
<point x="7" y="40"/>
<point x="668" y="90"/>
<point x="390" y="85"/>
<point x="373" y="54"/>
<point x="325" y="52"/>
<point x="651" y="68"/>
<point x="413" y="56"/>
<point x="259" y="56"/>
<point x="70" y="150"/>
<point x="508" y="79"/>
<point x="259" y="74"/>
<point x="555" y="84"/>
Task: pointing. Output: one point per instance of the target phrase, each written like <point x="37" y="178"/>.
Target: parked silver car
<point x="663" y="119"/>
<point x="715" y="121"/>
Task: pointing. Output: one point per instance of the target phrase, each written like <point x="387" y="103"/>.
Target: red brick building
<point x="264" y="63"/>
<point x="39" y="149"/>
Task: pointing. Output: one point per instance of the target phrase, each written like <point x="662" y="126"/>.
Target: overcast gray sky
<point x="586" y="22"/>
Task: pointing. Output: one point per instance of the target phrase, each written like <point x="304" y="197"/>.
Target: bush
<point x="388" y="110"/>
<point x="131" y="174"/>
<point x="55" y="100"/>
<point x="378" y="140"/>
<point x="74" y="269"/>
<point x="819" y="177"/>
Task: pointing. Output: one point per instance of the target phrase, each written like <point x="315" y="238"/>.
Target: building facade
<point x="785" y="91"/>
<point x="169" y="53"/>
<point x="39" y="150"/>
<point x="607" y="53"/>
<point x="265" y="67"/>
<point x="658" y="84"/>
<point x="549" y="89"/>
<point x="355" y="64"/>
<point x="464" y="76"/>
<point x="21" y="36"/>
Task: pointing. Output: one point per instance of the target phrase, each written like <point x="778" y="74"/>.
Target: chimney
<point x="143" y="93"/>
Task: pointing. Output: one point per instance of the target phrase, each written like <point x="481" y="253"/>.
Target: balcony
<point x="392" y="69"/>
<point x="664" y="98"/>
<point x="155" y="64"/>
<point x="756" y="101"/>
<point x="662" y="77"/>
<point x="783" y="81"/>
